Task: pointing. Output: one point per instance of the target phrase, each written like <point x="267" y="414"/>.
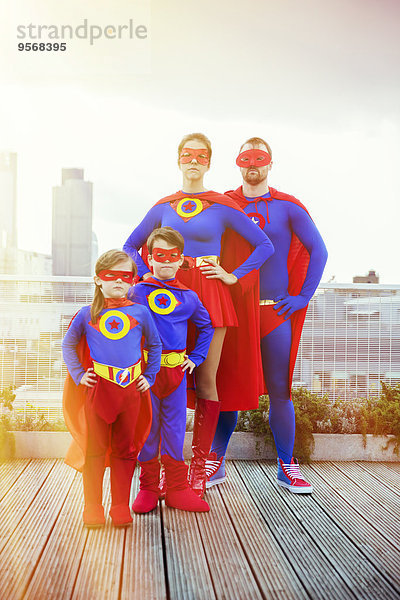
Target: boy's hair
<point x="104" y="262"/>
<point x="200" y="137"/>
<point x="169" y="235"/>
<point x="257" y="141"/>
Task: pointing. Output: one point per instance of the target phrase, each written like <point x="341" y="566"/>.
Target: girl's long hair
<point x="106" y="261"/>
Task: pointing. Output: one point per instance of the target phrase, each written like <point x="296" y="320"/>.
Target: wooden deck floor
<point x="258" y="541"/>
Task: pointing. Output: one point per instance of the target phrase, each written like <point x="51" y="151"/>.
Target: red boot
<point x="162" y="486"/>
<point x="179" y="494"/>
<point x="93" y="472"/>
<point x="205" y="423"/>
<point x="120" y="515"/>
<point x="147" y="498"/>
<point x="93" y="515"/>
<point x="121" y="473"/>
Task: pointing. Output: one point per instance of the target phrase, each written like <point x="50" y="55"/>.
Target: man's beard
<point x="254" y="177"/>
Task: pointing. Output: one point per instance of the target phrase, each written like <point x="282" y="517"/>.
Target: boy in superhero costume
<point x="172" y="305"/>
<point x="106" y="400"/>
<point x="287" y="282"/>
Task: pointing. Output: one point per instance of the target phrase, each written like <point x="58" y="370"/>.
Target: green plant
<point x="315" y="414"/>
<point x="310" y="410"/>
<point x="7" y="397"/>
<point x="382" y="416"/>
<point x="7" y="444"/>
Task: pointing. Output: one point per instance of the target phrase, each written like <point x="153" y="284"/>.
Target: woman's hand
<point x="214" y="271"/>
<point x="188" y="364"/>
<point x="89" y="378"/>
<point x="147" y="275"/>
<point x="142" y="385"/>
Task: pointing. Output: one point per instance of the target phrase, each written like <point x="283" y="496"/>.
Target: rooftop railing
<point x="350" y="341"/>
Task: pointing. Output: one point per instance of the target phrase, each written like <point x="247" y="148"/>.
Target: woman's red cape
<point x="297" y="264"/>
<point x="239" y="377"/>
<point x="75" y="418"/>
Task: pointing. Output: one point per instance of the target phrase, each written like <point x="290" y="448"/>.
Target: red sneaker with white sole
<point x="289" y="477"/>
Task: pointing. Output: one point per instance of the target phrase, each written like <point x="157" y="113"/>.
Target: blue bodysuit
<point x="283" y="219"/>
<point x="202" y="232"/>
<point x="114" y="340"/>
<point x="172" y="305"/>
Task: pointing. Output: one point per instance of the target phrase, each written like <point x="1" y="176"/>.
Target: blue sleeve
<point x="135" y="295"/>
<point x="139" y="236"/>
<point x="303" y="226"/>
<point x="153" y="345"/>
<point x="69" y="344"/>
<point x="205" y="332"/>
<point x="263" y="247"/>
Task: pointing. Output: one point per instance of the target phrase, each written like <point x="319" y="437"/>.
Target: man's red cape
<point x="74" y="414"/>
<point x="239" y="376"/>
<point x="297" y="264"/>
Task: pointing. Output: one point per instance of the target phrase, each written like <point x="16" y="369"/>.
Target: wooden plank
<point x="56" y="571"/>
<point x="9" y="473"/>
<point x="227" y="562"/>
<point x="100" y="570"/>
<point x="383" y="473"/>
<point x="271" y="568"/>
<point x="312" y="566"/>
<point x="20" y="496"/>
<point x="186" y="558"/>
<point x="143" y="575"/>
<point x="368" y="540"/>
<point x="368" y="484"/>
<point x="22" y="553"/>
<point x="361" y="575"/>
<point x="373" y="512"/>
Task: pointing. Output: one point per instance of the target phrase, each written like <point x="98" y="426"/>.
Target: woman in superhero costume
<point x="214" y="229"/>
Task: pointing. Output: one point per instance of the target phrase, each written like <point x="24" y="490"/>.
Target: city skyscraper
<point x="72" y="225"/>
<point x="8" y="200"/>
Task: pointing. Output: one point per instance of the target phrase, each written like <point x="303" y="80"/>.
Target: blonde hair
<point x="104" y="262"/>
<point x="200" y="137"/>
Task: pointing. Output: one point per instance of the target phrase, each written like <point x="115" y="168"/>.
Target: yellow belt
<point x="266" y="302"/>
<point x="189" y="262"/>
<point x="200" y="260"/>
<point x="169" y="359"/>
<point x="121" y="376"/>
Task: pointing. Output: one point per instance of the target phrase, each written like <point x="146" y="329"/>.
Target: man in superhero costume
<point x="106" y="403"/>
<point x="172" y="305"/>
<point x="214" y="228"/>
<point x="287" y="282"/>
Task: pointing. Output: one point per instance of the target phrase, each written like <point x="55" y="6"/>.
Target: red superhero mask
<point x="111" y="275"/>
<point x="162" y="255"/>
<point x="253" y="158"/>
<point x="188" y="154"/>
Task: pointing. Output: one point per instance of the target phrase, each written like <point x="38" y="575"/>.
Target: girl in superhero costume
<point x="107" y="405"/>
<point x="172" y="305"/>
<point x="213" y="227"/>
<point x="287" y="282"/>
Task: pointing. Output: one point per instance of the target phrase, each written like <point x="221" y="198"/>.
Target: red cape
<point x="297" y="263"/>
<point x="74" y="414"/>
<point x="239" y="377"/>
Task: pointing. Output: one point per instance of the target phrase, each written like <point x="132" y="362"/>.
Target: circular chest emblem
<point x="189" y="207"/>
<point x="257" y="219"/>
<point x="114" y="324"/>
<point x="162" y="302"/>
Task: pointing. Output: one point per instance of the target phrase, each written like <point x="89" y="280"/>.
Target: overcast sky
<point x="318" y="79"/>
